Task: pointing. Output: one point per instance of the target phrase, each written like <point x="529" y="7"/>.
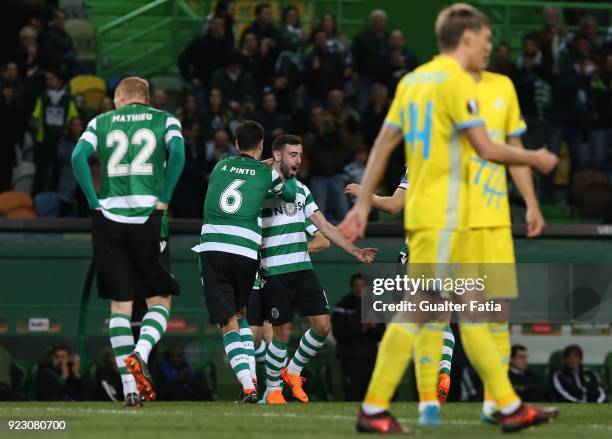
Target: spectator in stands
<point x="323" y="70"/>
<point x="502" y="63"/>
<point x="257" y="59"/>
<point x="106" y="104"/>
<point x="327" y="157"/>
<point x="59" y="42"/>
<point x="188" y="198"/>
<point x="550" y="40"/>
<point x="217" y="115"/>
<point x="176" y="381"/>
<point x="28" y="55"/>
<point x="369" y="61"/>
<point x="54" y="108"/>
<point x="59" y="377"/>
<point x="601" y="129"/>
<point x="569" y="113"/>
<point x="219" y="147"/>
<point x="85" y="113"/>
<point x="225" y="9"/>
<point x="205" y="54"/>
<point x="262" y="27"/>
<point x="190" y="111"/>
<point x="534" y="92"/>
<point x="336" y="42"/>
<point x="292" y="33"/>
<point x="237" y="86"/>
<point x="11" y="121"/>
<point x="66" y="183"/>
<point x="375" y="114"/>
<point x="159" y="100"/>
<point x="527" y="384"/>
<point x="399" y="58"/>
<point x="589" y="28"/>
<point x="346" y="120"/>
<point x="357" y="342"/>
<point x="274" y="122"/>
<point x="576" y="383"/>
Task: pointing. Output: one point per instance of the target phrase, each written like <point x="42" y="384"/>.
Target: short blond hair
<point x="134" y="87"/>
<point x="456" y="19"/>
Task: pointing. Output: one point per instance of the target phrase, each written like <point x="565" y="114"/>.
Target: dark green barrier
<point x="45" y="272"/>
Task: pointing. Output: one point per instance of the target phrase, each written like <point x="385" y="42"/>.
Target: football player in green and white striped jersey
<point x="230" y="241"/>
<point x="141" y="155"/>
<point x="289" y="282"/>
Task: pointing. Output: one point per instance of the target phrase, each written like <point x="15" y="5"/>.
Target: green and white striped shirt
<point x="131" y="144"/>
<point x="236" y="192"/>
<point x="285" y="247"/>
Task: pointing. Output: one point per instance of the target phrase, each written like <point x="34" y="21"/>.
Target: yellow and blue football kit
<point x="431" y="107"/>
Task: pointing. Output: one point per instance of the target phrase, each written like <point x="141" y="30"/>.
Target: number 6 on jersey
<point x="231" y="198"/>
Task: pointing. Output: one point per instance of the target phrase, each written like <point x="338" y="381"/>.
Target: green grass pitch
<point x="219" y="420"/>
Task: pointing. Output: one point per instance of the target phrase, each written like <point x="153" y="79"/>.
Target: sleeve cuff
<point x="470" y="124"/>
<point x="518" y="132"/>
<point x="392" y="125"/>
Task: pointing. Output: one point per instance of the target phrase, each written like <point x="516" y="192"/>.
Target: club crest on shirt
<point x="290" y="209"/>
<point x="274" y="312"/>
<point x="472" y="107"/>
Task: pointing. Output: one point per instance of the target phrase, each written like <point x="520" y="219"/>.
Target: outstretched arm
<point x="353" y="225"/>
<point x="392" y="205"/>
<point x="333" y="234"/>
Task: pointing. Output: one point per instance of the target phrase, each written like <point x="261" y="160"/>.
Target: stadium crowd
<point x="331" y="91"/>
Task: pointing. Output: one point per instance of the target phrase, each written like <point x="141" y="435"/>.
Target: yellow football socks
<point x="483" y="354"/>
<point x="428" y="350"/>
<point x="391" y="362"/>
<point x="500" y="333"/>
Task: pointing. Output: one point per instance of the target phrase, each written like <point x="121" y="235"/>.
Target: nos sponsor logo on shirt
<point x="289" y="209"/>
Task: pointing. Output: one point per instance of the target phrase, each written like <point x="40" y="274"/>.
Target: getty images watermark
<point x="440" y="288"/>
<point x="521" y="293"/>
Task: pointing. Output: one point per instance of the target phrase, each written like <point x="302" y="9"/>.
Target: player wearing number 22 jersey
<point x="141" y="155"/>
<point x="230" y="241"/>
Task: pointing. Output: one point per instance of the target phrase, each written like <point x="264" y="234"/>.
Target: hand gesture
<point x="535" y="222"/>
<point x="354" y="223"/>
<point x="353" y="189"/>
<point x="546" y="161"/>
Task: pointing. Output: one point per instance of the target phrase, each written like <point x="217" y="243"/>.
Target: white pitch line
<point x="293" y="415"/>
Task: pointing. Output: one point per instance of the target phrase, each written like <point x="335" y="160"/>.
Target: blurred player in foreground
<point x="435" y="110"/>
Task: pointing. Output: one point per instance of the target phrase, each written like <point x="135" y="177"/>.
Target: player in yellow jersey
<point x="435" y="110"/>
<point x="490" y="236"/>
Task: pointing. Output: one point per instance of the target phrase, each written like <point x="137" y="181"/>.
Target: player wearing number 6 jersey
<point x="141" y="155"/>
<point x="230" y="241"/>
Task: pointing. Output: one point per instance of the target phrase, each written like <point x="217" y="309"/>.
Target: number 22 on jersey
<point x="117" y="139"/>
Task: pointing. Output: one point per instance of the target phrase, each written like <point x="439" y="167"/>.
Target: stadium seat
<point x="16" y="205"/>
<point x="591" y="193"/>
<point x="83" y="35"/>
<point x="47" y="204"/>
<point x="92" y="87"/>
